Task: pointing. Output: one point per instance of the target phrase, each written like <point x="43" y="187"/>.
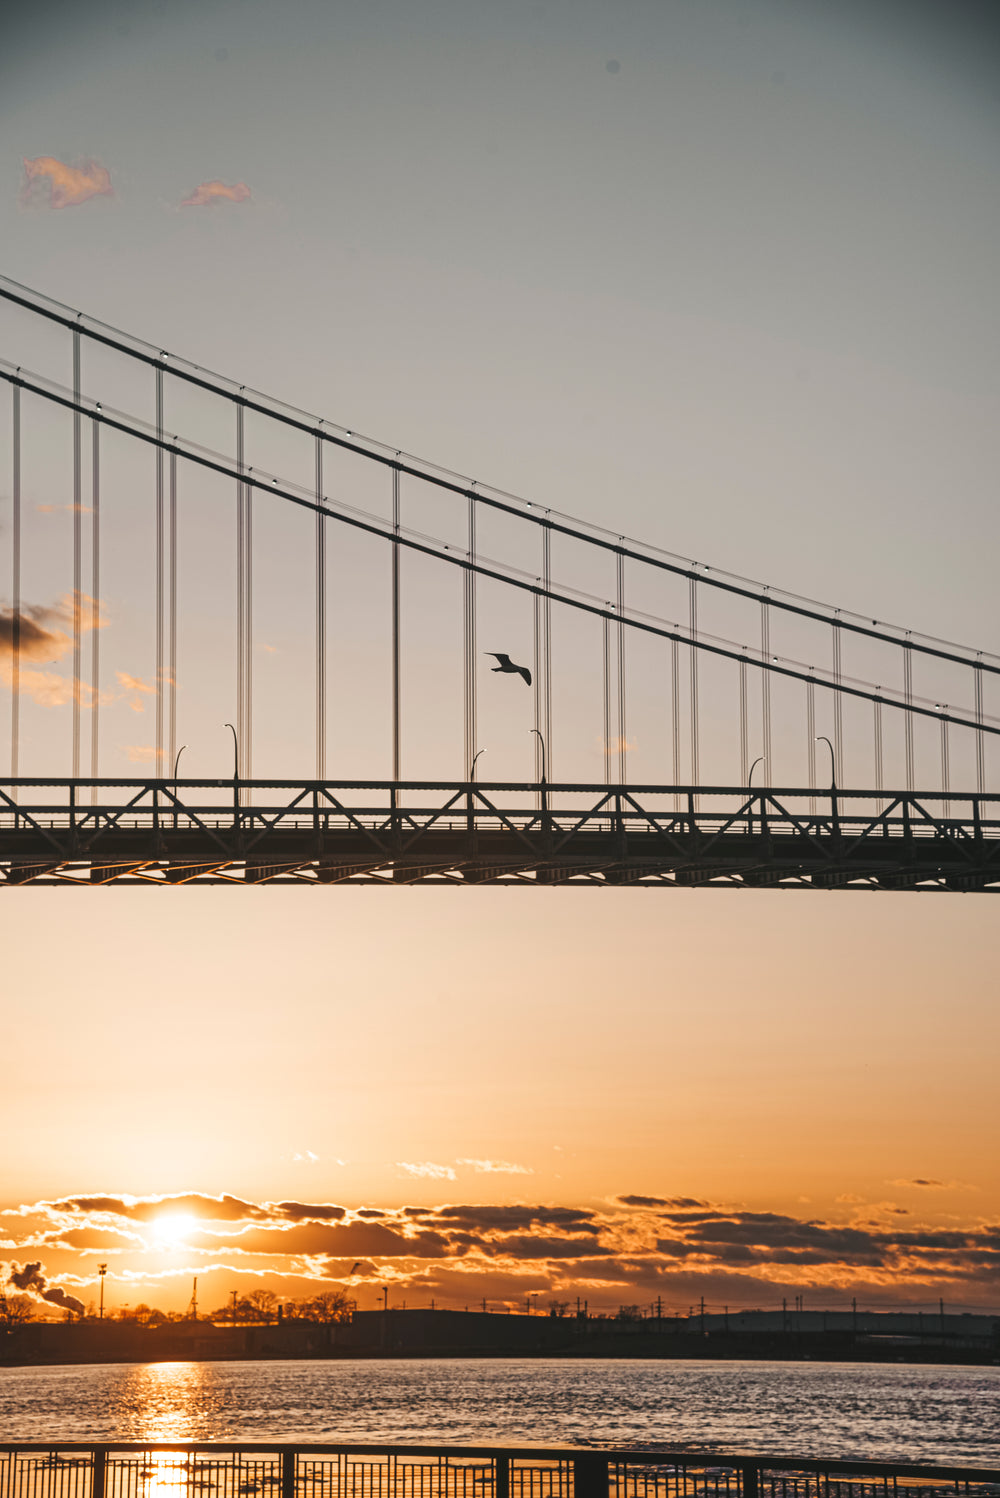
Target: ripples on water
<point x="946" y="1414"/>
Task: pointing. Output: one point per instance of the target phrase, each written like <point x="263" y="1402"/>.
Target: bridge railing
<point x="396" y="832"/>
<point x="251" y="1470"/>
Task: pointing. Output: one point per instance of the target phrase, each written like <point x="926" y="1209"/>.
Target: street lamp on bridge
<point x="236" y="773"/>
<point x="760" y="760"/>
<point x="822" y="738"/>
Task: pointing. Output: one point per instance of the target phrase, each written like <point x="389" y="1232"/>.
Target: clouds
<point x="41" y="632"/>
<point x="35" y="631"/>
<point x="630" y="1249"/>
<point x="427" y="1170"/>
<point x="207" y="193"/>
<point x="51" y="183"/>
<point x="54" y="184"/>
<point x="497" y="1167"/>
<point x="135" y="689"/>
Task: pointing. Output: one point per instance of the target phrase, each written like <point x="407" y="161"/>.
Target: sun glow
<point x="174" y="1229"/>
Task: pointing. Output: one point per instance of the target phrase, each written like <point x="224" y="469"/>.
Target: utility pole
<point x="102" y="1270"/>
<point x="234" y="1294"/>
<point x="385" y="1298"/>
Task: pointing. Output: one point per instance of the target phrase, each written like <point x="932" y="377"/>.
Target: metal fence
<point x="132" y="1470"/>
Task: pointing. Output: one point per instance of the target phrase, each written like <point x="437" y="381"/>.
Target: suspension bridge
<point x="310" y="617"/>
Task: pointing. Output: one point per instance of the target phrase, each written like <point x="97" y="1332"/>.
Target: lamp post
<point x="760" y="760"/>
<point x="236" y="772"/>
<point x="177" y="760"/>
<point x="822" y="738"/>
<point x="544" y="788"/>
<point x="470" y="821"/>
<point x="102" y="1270"/>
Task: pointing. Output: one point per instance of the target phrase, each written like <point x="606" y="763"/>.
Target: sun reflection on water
<point x="164" y="1403"/>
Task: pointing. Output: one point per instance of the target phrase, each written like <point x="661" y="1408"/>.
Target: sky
<point x="719" y="276"/>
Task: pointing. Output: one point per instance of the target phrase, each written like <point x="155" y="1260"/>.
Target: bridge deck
<point x="155" y="832"/>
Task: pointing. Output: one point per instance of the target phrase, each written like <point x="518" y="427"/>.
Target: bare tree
<point x="330" y="1306"/>
<point x="263" y="1305"/>
<point x="15" y="1310"/>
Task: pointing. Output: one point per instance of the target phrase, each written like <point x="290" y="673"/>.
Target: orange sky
<point x="367" y="1057"/>
<point x="734" y="295"/>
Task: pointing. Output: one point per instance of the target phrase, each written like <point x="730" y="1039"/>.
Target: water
<point x="887" y="1411"/>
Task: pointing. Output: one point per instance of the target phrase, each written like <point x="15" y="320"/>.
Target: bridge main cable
<point x="525" y="510"/>
<point x="251" y="481"/>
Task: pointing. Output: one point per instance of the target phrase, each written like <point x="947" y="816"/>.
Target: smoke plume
<point x="212" y="192"/>
<point x="30" y="1277"/>
<point x="56" y="185"/>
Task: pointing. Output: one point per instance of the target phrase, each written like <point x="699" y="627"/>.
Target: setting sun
<point x="173" y="1230"/>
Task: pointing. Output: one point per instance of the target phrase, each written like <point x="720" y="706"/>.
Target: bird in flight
<point x="507" y="665"/>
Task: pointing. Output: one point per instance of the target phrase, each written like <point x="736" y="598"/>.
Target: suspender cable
<point x="945" y="769"/>
<point x="470" y="662"/>
<point x="395" y="626"/>
<point x="877" y="711"/>
<point x="95" y="601"/>
<point x="744" y="726"/>
<point x="172" y="603"/>
<point x="15" y="583"/>
<point x="977" y="685"/>
<point x="575" y="599"/>
<point x="240" y="582"/>
<point x="536" y="637"/>
<point x="811" y="741"/>
<point x="765" y="689"/>
<point x="622" y="698"/>
<point x="320" y="619"/>
<point x="158" y="680"/>
<point x="606" y="641"/>
<point x="77" y="552"/>
<point x="908" y="717"/>
<point x="693" y="632"/>
<point x="547" y="645"/>
<point x="675" y="692"/>
<point x="248" y="498"/>
<point x="838" y="703"/>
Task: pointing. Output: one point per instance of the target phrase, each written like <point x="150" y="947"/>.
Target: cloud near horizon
<point x="626" y="1251"/>
<point x="207" y="193"/>
<point x="54" y="184"/>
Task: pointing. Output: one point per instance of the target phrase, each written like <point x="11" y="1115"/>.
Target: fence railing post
<point x="751" y="1481"/>
<point x="501" y="1477"/>
<point x="99" y="1478"/>
<point x="590" y="1476"/>
<point x="288" y="1456"/>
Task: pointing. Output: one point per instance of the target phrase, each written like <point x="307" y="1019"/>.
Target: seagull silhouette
<point x="507" y="665"/>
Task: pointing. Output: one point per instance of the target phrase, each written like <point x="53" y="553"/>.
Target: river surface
<point x="933" y="1414"/>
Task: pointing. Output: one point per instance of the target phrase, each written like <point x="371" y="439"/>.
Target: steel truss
<point x="162" y="832"/>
